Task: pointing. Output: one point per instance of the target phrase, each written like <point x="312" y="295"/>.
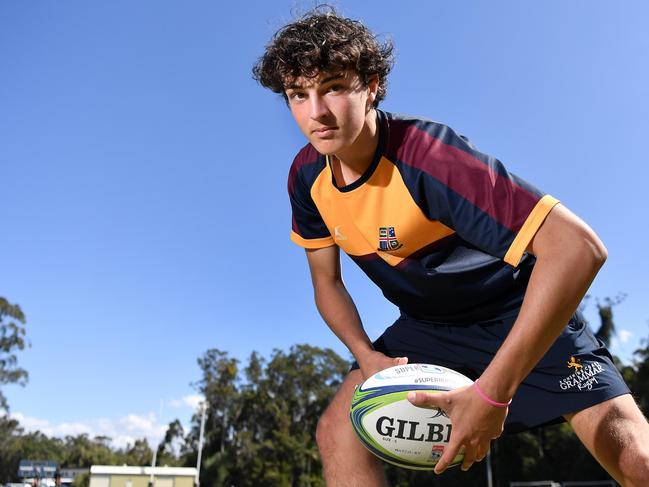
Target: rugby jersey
<point x="440" y="227"/>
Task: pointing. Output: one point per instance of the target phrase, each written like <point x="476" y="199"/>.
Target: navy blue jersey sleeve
<point x="308" y="228"/>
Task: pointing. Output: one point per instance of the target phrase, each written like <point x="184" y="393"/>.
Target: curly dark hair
<point x="323" y="41"/>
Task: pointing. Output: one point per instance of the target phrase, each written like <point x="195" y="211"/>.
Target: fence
<point x="571" y="483"/>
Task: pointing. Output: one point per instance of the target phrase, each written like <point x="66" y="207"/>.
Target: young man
<point x="486" y="270"/>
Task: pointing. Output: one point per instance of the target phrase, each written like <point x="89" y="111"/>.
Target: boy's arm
<point x="339" y="311"/>
<point x="568" y="256"/>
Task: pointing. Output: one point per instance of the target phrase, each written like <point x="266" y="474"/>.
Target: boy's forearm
<point x="566" y="266"/>
<point x="339" y="312"/>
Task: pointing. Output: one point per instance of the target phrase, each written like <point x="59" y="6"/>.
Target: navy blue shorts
<point x="576" y="373"/>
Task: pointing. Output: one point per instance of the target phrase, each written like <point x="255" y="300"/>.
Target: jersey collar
<point x="380" y="123"/>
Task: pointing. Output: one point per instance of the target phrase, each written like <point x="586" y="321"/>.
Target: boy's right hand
<point x="375" y="361"/>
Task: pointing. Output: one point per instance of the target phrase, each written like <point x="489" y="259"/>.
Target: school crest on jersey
<point x="388" y="239"/>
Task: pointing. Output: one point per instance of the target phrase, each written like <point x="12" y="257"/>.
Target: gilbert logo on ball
<point x="395" y="430"/>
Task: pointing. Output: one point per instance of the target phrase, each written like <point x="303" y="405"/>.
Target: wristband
<point x="487" y="399"/>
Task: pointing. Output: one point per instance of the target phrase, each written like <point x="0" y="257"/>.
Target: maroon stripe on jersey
<point x="464" y="174"/>
<point x="307" y="155"/>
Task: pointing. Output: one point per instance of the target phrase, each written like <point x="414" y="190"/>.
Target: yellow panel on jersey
<point x="379" y="217"/>
<point x="440" y="227"/>
<point x="529" y="229"/>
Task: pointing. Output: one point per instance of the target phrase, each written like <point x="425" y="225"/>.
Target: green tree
<point x="168" y="449"/>
<point x="268" y="437"/>
<point x="81" y="480"/>
<point x="637" y="376"/>
<point x="36" y="445"/>
<point x="12" y="338"/>
<point x="82" y="451"/>
<point x="219" y="385"/>
<point x="298" y="386"/>
<point x="139" y="453"/>
<point x="10" y="430"/>
<point x="607" y="329"/>
<point x="16" y="445"/>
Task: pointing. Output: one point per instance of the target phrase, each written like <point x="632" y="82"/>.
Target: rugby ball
<point x="394" y="429"/>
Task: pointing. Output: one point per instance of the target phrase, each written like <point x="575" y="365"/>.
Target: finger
<point x="470" y="456"/>
<point x="400" y="361"/>
<point x="429" y="399"/>
<point x="450" y="452"/>
<point x="482" y="452"/>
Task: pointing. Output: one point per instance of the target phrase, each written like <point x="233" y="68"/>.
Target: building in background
<point x="67" y="475"/>
<point x="46" y="473"/>
<point x="113" y="476"/>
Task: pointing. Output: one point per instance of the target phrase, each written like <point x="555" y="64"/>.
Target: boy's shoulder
<point x="306" y="155"/>
<point x="407" y="119"/>
<point x="308" y="163"/>
<point x="408" y="128"/>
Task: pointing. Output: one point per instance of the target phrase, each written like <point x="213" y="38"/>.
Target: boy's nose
<point x="318" y="108"/>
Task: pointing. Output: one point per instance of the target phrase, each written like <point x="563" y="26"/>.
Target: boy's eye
<point x="296" y="95"/>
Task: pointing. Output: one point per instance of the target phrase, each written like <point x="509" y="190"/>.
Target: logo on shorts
<point x="584" y="376"/>
<point x="388" y="239"/>
<point x="574" y="364"/>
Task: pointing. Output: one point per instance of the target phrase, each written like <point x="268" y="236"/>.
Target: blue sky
<point x="145" y="216"/>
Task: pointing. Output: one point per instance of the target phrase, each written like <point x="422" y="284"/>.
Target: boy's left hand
<point x="475" y="423"/>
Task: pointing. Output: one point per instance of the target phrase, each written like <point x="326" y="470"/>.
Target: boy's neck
<point x="351" y="163"/>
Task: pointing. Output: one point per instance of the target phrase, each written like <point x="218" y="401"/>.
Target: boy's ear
<point x="373" y="85"/>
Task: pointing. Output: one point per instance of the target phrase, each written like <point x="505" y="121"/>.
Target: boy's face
<point x="331" y="109"/>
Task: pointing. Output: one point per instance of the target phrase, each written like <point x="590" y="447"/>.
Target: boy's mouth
<point x="324" y="132"/>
